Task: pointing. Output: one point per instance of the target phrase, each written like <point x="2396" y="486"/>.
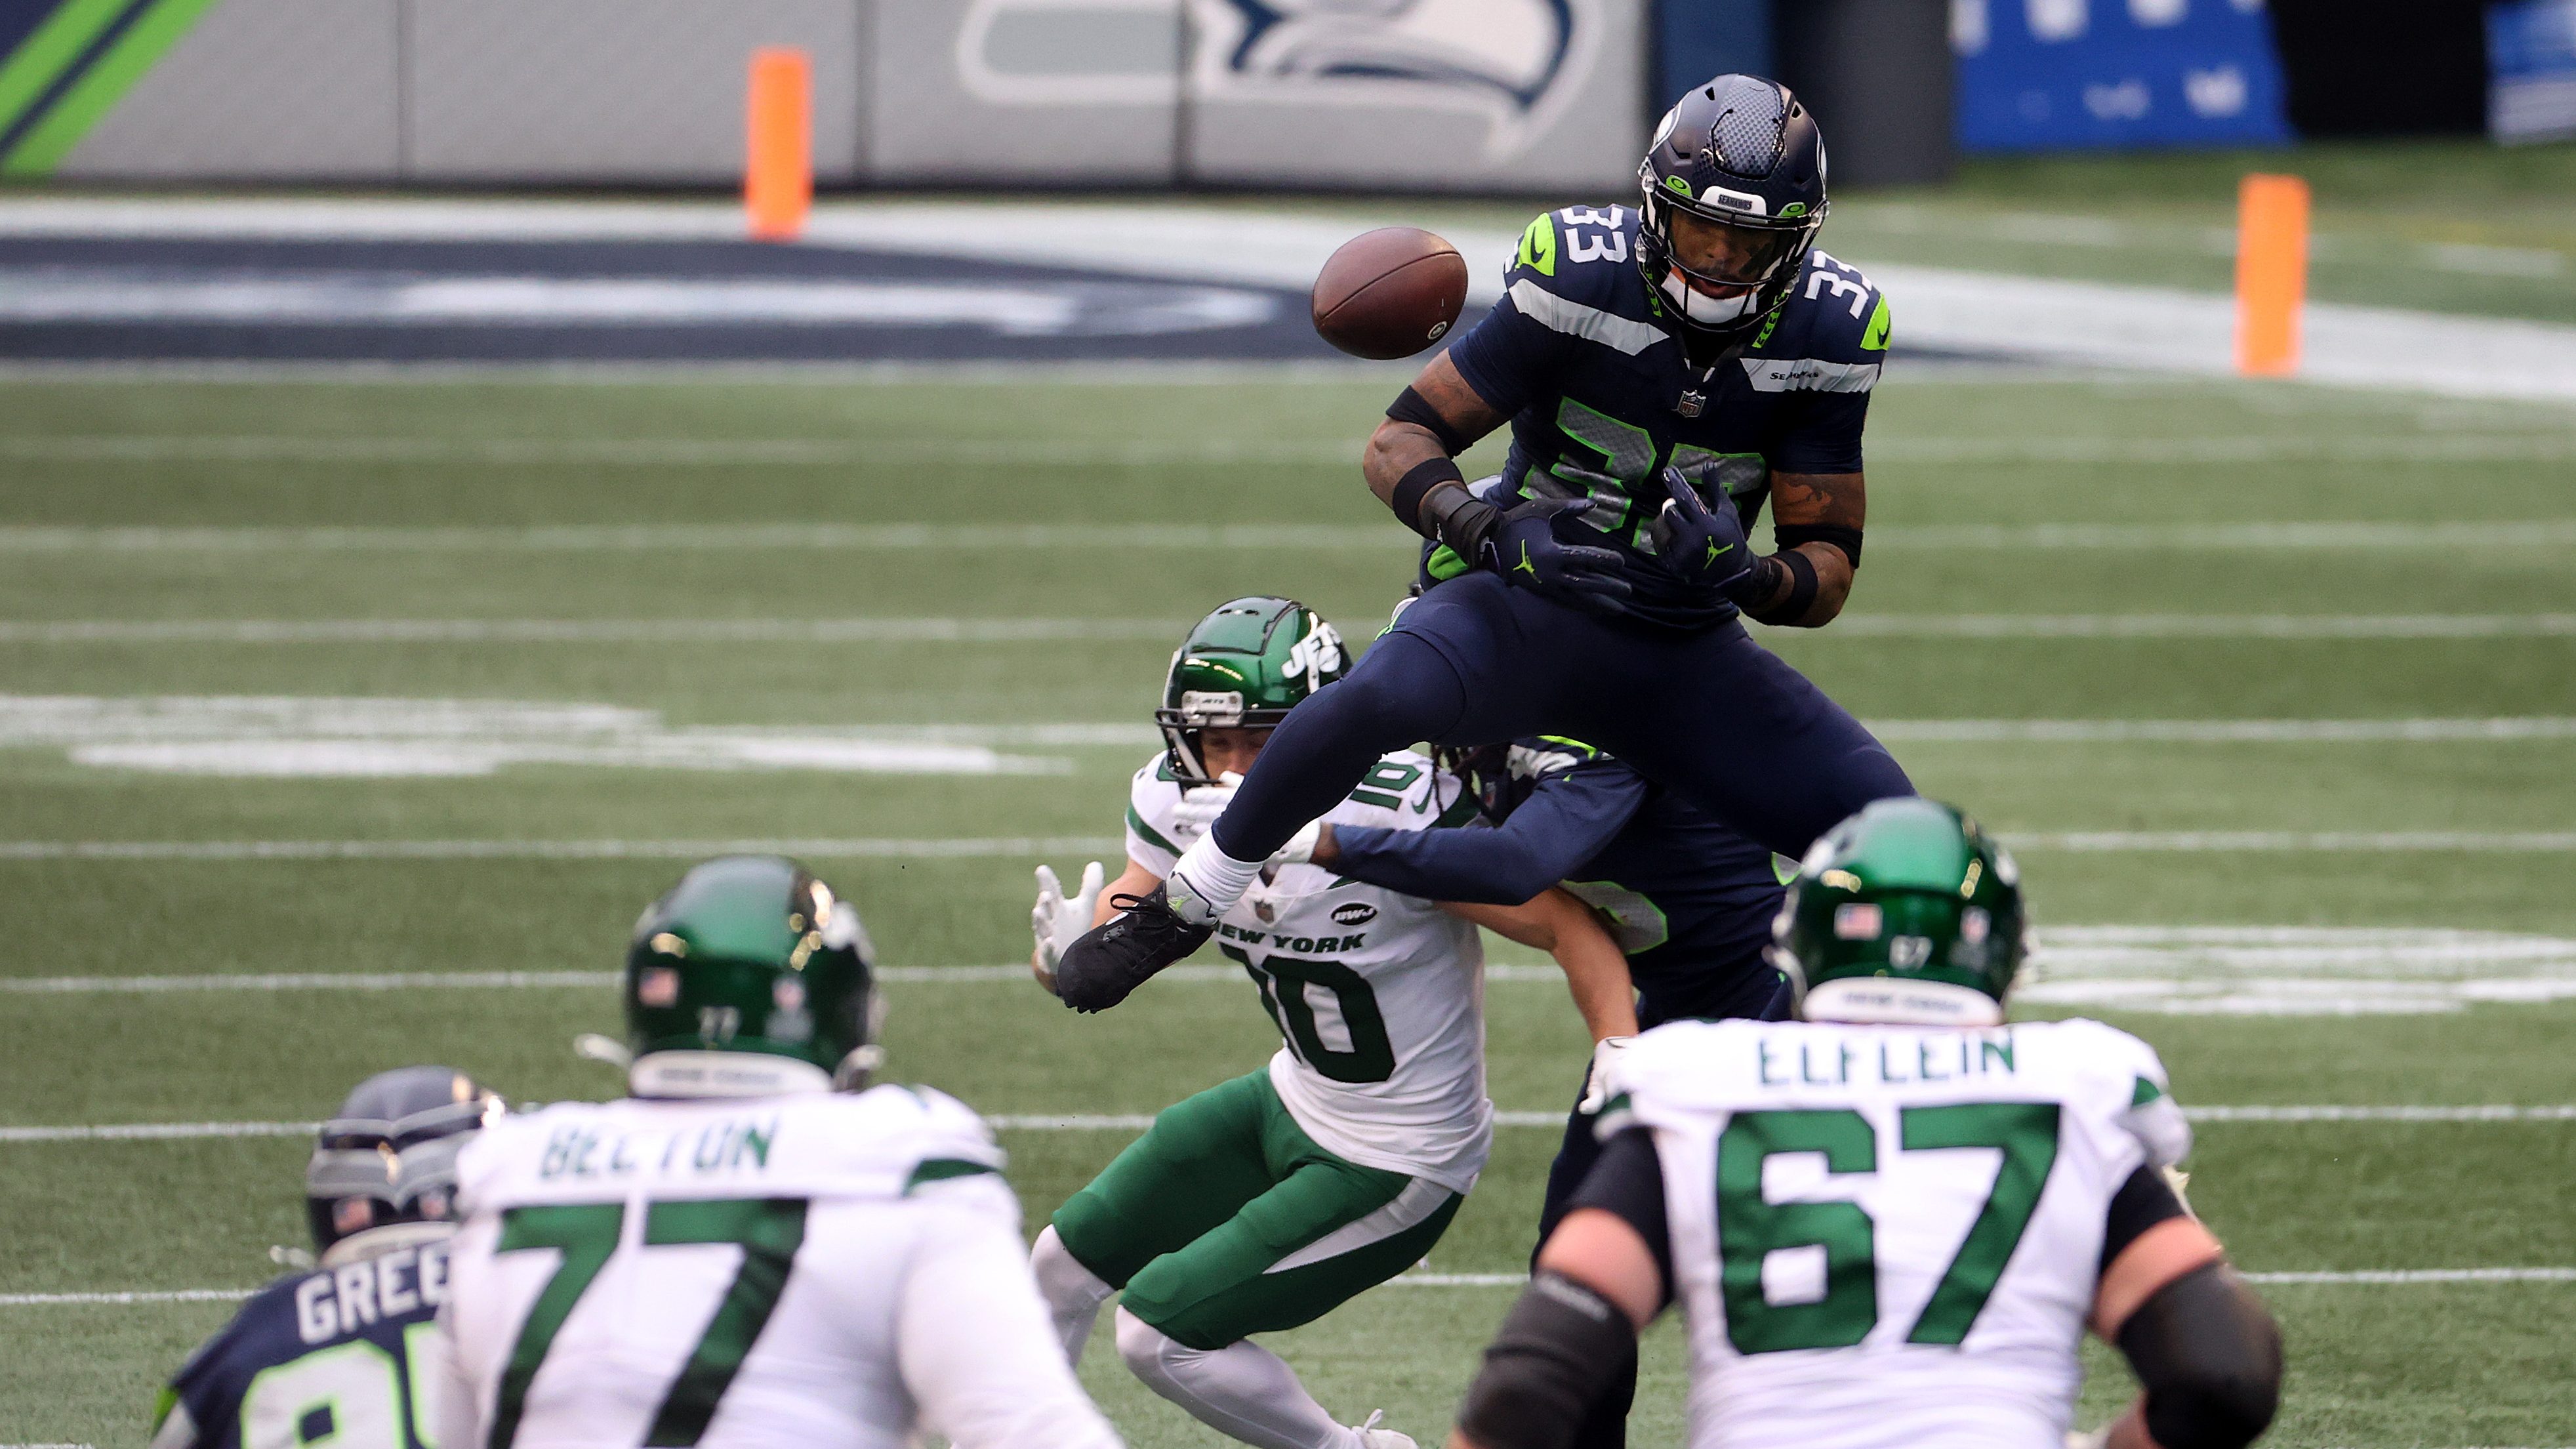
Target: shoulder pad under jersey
<point x="1576" y="273"/>
<point x="1831" y="335"/>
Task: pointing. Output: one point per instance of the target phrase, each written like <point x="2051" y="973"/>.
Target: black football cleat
<point x="1112" y="960"/>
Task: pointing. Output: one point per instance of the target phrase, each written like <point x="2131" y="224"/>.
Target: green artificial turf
<point x="2374" y="1366"/>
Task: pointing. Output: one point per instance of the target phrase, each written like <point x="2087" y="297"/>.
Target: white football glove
<point x="1599" y="1087"/>
<point x="1058" y="922"/>
<point x="1199" y="808"/>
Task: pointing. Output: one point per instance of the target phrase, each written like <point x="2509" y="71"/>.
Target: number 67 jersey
<point x="1887" y="1235"/>
<point x="776" y="1271"/>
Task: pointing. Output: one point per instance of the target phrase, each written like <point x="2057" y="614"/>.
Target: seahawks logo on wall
<point x="1513" y="59"/>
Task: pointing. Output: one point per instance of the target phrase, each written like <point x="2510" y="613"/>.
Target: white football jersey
<point x="1890" y="1236"/>
<point x="1379" y="997"/>
<point x="753" y="1273"/>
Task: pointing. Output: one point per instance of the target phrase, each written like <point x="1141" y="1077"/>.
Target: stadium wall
<point x="1459" y="95"/>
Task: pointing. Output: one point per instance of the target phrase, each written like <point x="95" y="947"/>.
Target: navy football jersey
<point x="1601" y="399"/>
<point x="337" y="1355"/>
<point x="1689" y="901"/>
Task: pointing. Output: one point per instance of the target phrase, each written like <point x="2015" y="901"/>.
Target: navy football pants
<point x="1710" y="715"/>
<point x="1605" y="1422"/>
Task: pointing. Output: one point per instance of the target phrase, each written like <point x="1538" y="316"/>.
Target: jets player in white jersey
<point x="1263" y="1203"/>
<point x="749" y="1252"/>
<point x="1890" y="1222"/>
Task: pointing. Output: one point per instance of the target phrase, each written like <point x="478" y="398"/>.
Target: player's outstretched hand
<point x="1526" y="551"/>
<point x="1699" y="544"/>
<point x="1059" y="922"/>
<point x="1199" y="808"/>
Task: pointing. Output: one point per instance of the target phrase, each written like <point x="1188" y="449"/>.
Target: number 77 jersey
<point x="746" y="1273"/>
<point x="1891" y="1235"/>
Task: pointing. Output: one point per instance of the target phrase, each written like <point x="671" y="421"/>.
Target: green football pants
<point x="1226" y="1220"/>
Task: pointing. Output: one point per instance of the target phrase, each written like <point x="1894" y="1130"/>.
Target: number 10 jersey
<point x="1891" y="1236"/>
<point x="1379" y="997"/>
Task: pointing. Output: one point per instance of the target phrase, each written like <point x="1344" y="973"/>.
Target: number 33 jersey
<point x="1379" y="997"/>
<point x="1891" y="1236"/>
<point x="781" y="1271"/>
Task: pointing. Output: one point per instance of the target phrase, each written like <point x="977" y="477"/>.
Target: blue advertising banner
<point x="2039" y="75"/>
<point x="2531" y="61"/>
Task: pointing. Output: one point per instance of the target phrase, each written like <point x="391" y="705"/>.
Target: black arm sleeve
<point x="2145" y="1200"/>
<point x="1557" y="1350"/>
<point x="1627" y="1181"/>
<point x="2209" y="1355"/>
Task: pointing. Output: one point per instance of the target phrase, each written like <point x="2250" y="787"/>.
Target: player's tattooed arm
<point x="1400" y="445"/>
<point x="1834" y="504"/>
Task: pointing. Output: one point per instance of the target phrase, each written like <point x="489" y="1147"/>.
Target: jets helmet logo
<point x="1316" y="655"/>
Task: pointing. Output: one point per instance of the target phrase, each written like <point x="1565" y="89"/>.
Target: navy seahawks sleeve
<point x="1838" y="357"/>
<point x="1568" y="819"/>
<point x="1511" y="358"/>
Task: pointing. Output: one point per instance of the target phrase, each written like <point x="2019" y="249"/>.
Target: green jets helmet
<point x="1244" y="666"/>
<point x="747" y="979"/>
<point x="1904" y="913"/>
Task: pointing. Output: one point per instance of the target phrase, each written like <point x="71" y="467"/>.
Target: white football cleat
<point x="1373" y="1437"/>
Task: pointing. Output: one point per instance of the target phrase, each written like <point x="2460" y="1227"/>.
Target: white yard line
<point x="2478" y="842"/>
<point x="844" y="452"/>
<point x="2311" y="534"/>
<point x="2092" y="841"/>
<point x="2223" y="731"/>
<point x="1059" y="629"/>
<point x="2203" y="626"/>
<point x="1138" y="1122"/>
<point x="2366" y="1277"/>
<point x="590" y="631"/>
<point x="835" y="848"/>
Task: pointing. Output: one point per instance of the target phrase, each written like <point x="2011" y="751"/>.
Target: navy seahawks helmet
<point x="388" y="1156"/>
<point x="1742" y="154"/>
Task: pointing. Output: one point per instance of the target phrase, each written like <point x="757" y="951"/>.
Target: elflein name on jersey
<point x="1886" y="1196"/>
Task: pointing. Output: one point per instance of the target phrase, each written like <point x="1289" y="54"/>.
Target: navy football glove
<point x="1524" y="549"/>
<point x="1698" y="544"/>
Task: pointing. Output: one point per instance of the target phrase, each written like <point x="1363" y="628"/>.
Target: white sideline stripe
<point x="1138" y="1122"/>
<point x="956" y="630"/>
<point x="848" y="849"/>
<point x="890" y="537"/>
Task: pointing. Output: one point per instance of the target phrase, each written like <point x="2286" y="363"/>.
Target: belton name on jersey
<point x="749" y="1252"/>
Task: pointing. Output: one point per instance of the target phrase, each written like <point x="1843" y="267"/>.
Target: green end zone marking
<point x="96" y="93"/>
<point x="42" y="58"/>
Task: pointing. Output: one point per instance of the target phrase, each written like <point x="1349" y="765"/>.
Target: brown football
<point x="1390" y="293"/>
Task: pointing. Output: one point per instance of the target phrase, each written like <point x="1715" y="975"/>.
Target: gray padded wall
<point x="1024" y="91"/>
<point x="287" y="90"/>
<point x="1462" y="94"/>
<point x="615" y="90"/>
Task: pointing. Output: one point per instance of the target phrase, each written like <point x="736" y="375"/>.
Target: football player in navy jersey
<point x="338" y="1353"/>
<point x="1666" y="369"/>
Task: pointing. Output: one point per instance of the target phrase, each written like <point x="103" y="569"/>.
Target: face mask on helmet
<point x="1716" y="273"/>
